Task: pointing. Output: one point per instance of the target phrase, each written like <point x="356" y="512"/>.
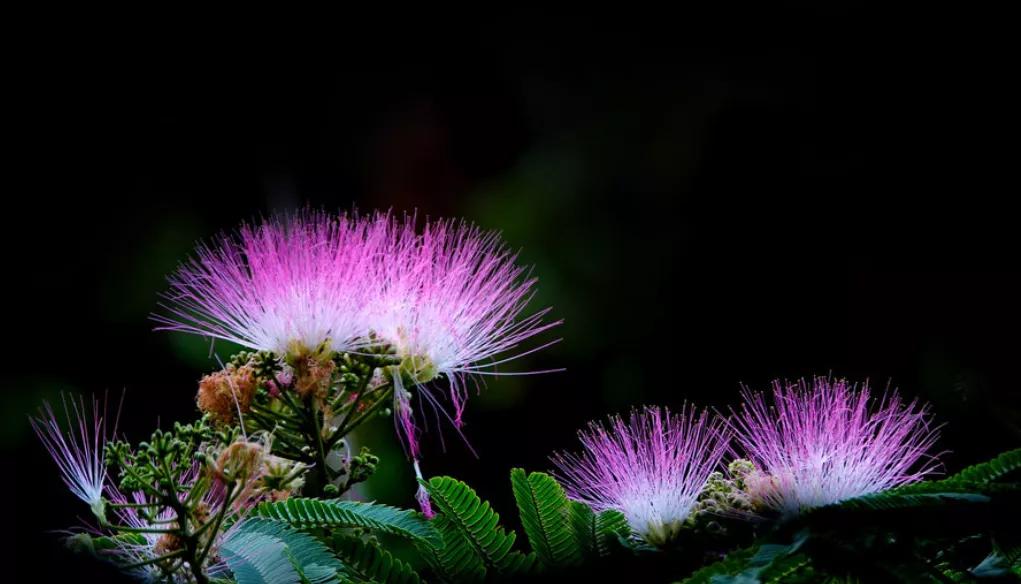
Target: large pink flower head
<point x="448" y="302"/>
<point x="77" y="448"/>
<point x="290" y="283"/>
<point x="818" y="444"/>
<point x="651" y="468"/>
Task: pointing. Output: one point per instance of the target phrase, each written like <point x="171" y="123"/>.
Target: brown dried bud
<point x="201" y="513"/>
<point x="218" y="392"/>
<point x="278" y="495"/>
<point x="168" y="542"/>
<point x="312" y="376"/>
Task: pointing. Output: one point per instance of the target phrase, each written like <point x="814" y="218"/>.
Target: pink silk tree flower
<point x="77" y="448"/>
<point x="651" y="468"/>
<point x="287" y="285"/>
<point x="448" y="302"/>
<point x="819" y="444"/>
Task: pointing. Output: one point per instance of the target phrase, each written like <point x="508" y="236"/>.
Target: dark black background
<point x="800" y="200"/>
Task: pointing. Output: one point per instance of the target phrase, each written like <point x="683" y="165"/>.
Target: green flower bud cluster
<point x="356" y="365"/>
<point x="265" y="364"/>
<point x="722" y="495"/>
<point x="159" y="462"/>
<point x="353" y="370"/>
<point x="363" y="465"/>
<point x="378" y="346"/>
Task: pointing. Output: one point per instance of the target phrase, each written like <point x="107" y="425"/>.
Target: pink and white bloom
<point x="651" y="468"/>
<point x="819" y="444"/>
<point x="290" y="283"/>
<point x="448" y="300"/>
<point x="77" y="448"/>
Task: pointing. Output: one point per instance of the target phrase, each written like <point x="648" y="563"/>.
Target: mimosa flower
<point x="818" y="444"/>
<point x="651" y="468"/>
<point x="449" y="302"/>
<point x="77" y="448"/>
<point x="289" y="285"/>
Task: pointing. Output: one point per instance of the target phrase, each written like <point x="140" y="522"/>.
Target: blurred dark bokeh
<point x="700" y="219"/>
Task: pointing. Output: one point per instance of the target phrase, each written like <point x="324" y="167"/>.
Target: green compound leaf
<point x="611" y="528"/>
<point x="546" y="518"/>
<point x="765" y="558"/>
<point x="479" y="525"/>
<point x="368" y="562"/>
<point x="929" y="515"/>
<point x="305" y="513"/>
<point x="895" y="500"/>
<point x="456" y="560"/>
<point x="583" y="524"/>
<point x="992" y="470"/>
<point x="981" y="478"/>
<point x="263" y="551"/>
<point x="957" y="486"/>
<point x="791" y="569"/>
<point x="734" y="563"/>
<point x="599" y="535"/>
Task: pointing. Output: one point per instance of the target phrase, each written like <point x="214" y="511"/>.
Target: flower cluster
<point x="318" y="292"/>
<point x="445" y="301"/>
<point x="651" y="467"/>
<point x="290" y="282"/>
<point x="343" y="316"/>
<point x="170" y="496"/>
<point x="818" y="444"/>
<point x="811" y="445"/>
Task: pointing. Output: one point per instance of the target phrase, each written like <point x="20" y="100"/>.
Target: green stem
<point x="131" y="505"/>
<point x="189" y="540"/>
<point x="358" y="397"/>
<point x="141" y="482"/>
<point x="320" y="449"/>
<point x="288" y="399"/>
<point x="346" y="429"/>
<point x="268" y="423"/>
<point x="128" y="529"/>
<point x="234" y="492"/>
<point x="282" y="418"/>
<point x="170" y="556"/>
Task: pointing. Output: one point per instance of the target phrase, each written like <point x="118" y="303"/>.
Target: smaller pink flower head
<point x="295" y="280"/>
<point x="450" y="298"/>
<point x="78" y="448"/>
<point x="821" y="444"/>
<point x="650" y="468"/>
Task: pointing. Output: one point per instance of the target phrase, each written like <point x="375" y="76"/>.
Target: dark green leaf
<point x="337" y="514"/>
<point x="545" y="517"/>
<point x="368" y="562"/>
